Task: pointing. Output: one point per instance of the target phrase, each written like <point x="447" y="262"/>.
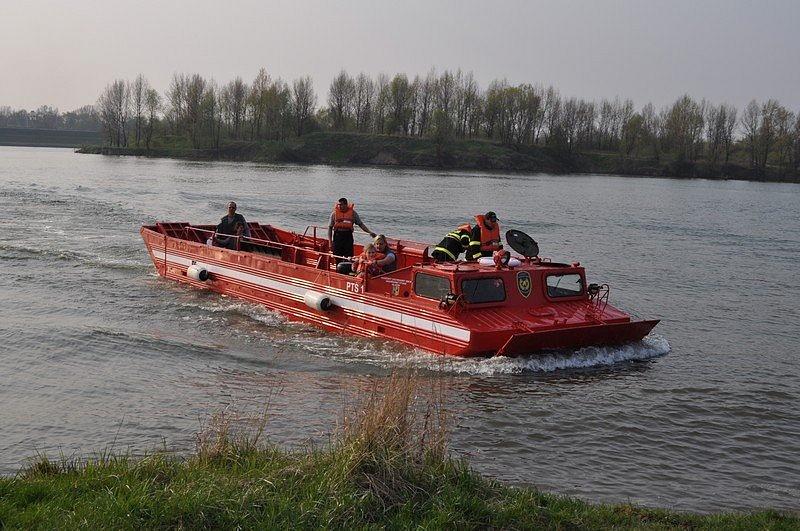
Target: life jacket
<point x="487" y="235"/>
<point x="343" y="220"/>
<point x="368" y="264"/>
<point x="466" y="227"/>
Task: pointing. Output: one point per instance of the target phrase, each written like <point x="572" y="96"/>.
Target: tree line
<point x="446" y="106"/>
<point x="46" y="117"/>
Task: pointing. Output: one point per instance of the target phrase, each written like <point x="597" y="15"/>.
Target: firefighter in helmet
<point x="453" y="244"/>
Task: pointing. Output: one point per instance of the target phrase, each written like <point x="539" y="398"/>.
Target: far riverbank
<point x="31" y="137"/>
<point x="386" y="150"/>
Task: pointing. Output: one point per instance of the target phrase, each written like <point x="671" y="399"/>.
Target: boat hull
<point x="580" y="336"/>
<point x="284" y="282"/>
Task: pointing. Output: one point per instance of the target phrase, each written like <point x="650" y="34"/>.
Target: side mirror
<point x="447" y="300"/>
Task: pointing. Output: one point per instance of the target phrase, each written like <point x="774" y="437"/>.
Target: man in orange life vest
<point x="343" y="220"/>
<point x="485" y="236"/>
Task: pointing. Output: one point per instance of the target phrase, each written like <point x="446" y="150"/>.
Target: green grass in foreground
<point x="387" y="468"/>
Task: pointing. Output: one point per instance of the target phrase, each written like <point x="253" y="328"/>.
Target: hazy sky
<point x="63" y="53"/>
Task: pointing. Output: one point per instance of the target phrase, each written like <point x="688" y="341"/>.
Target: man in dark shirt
<point x="233" y="242"/>
<point x="227" y="224"/>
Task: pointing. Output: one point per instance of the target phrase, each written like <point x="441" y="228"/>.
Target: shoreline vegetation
<point x="362" y="149"/>
<point x="387" y="465"/>
<point x="437" y="120"/>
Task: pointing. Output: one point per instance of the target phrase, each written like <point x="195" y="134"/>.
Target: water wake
<point x="588" y="357"/>
<point x="390" y="356"/>
<point x="387" y="354"/>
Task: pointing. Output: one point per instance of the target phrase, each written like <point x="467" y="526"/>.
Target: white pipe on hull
<point x="197" y="272"/>
<point x="317" y="301"/>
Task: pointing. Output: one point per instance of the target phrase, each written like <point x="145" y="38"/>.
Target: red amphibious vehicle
<point x="496" y="307"/>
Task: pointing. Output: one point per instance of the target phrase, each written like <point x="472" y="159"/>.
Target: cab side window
<point x="431" y="286"/>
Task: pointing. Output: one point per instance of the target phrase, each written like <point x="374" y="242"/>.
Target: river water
<point x="99" y="353"/>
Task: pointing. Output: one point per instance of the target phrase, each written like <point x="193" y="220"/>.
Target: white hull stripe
<point x="401" y="318"/>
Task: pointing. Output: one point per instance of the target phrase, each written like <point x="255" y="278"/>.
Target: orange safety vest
<point x="343" y="220"/>
<point x="366" y="264"/>
<point x="487" y="235"/>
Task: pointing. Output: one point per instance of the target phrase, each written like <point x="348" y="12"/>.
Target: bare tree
<point x="176" y="96"/>
<point x="784" y="140"/>
<point x="363" y="101"/>
<point x="303" y="102"/>
<point x="796" y="141"/>
<point x="492" y="108"/>
<point x="279" y="110"/>
<point x="651" y="128"/>
<point x="152" y="105"/>
<point x="586" y="118"/>
<point x="552" y="110"/>
<point x="233" y="102"/>
<point x="568" y="120"/>
<point x="341" y="96"/>
<point x="632" y="133"/>
<point x="401" y="95"/>
<point x="382" y="101"/>
<point x="529" y="112"/>
<point x="445" y="94"/>
<point x="195" y="91"/>
<point x="716" y="121"/>
<point x="767" y="133"/>
<point x="257" y="102"/>
<point x="114" y="105"/>
<point x="139" y="89"/>
<point x="470" y="99"/>
<point x="425" y="102"/>
<point x="684" y="126"/>
<point x="751" y="124"/>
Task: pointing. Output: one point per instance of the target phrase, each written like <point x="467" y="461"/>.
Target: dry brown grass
<point x="227" y="434"/>
<point x="404" y="415"/>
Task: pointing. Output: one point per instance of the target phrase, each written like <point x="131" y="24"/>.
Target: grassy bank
<point x="386" y="150"/>
<point x="387" y="466"/>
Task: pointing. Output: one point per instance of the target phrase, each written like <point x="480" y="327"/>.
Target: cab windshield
<point x="569" y="285"/>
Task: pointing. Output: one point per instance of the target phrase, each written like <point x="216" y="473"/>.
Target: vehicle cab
<point x="474" y="286"/>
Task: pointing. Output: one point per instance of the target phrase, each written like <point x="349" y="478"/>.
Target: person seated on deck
<point x="230" y="242"/>
<point x="388" y="263"/>
<point x="227" y="224"/>
<point x="367" y="263"/>
<point x="385" y="263"/>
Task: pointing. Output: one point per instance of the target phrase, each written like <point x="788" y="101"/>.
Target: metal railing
<point x="267" y="243"/>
